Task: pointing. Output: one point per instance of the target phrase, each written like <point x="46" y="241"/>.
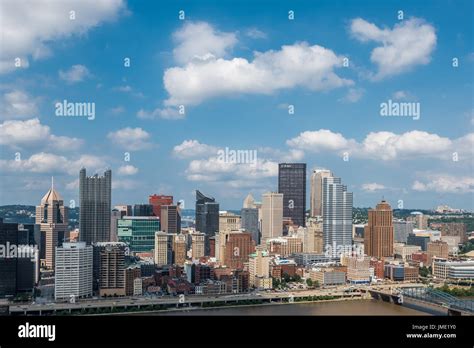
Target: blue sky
<point x="235" y="67"/>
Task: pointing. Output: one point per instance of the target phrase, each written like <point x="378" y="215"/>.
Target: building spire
<point x="52" y="182"/>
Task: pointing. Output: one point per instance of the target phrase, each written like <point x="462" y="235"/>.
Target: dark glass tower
<point x="292" y="183"/>
<point x="250" y="222"/>
<point x="207" y="217"/>
<point x="95" y="207"/>
<point x="8" y="265"/>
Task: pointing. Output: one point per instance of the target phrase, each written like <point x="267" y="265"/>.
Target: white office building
<point x="73" y="271"/>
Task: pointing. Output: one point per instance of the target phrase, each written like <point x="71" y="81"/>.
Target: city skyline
<point x="296" y="112"/>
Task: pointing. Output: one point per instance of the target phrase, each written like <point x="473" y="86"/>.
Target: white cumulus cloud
<point x="29" y="26"/>
<point x="408" y="44"/>
<point x="131" y="138"/>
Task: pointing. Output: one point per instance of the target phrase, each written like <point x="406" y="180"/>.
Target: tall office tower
<point x="250" y="223"/>
<point x="143" y="210"/>
<point x="138" y="232"/>
<point x="378" y="234"/>
<point x="272" y="215"/>
<point x="73" y="271"/>
<point x="337" y="216"/>
<point x="95" y="207"/>
<point x="109" y="268"/>
<point x="170" y="219"/>
<point x="292" y="184"/>
<point x="316" y="191"/>
<point x="229" y="221"/>
<point x="238" y="246"/>
<point x="19" y="263"/>
<point x="114" y="217"/>
<point x="179" y="249"/>
<point x="249" y="201"/>
<point x="207" y="217"/>
<point x="163" y="248"/>
<point x="125" y="210"/>
<point x="8" y="265"/>
<point x="157" y="201"/>
<point x="52" y="217"/>
<point x="198" y="241"/>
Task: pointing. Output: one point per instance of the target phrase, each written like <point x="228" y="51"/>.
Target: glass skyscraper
<point x="207" y="217"/>
<point x="138" y="232"/>
<point x="292" y="183"/>
<point x="95" y="207"/>
<point x="337" y="215"/>
<point x="250" y="222"/>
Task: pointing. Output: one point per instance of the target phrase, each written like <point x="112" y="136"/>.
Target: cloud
<point x="28" y="27"/>
<point x="213" y="75"/>
<point x="17" y="104"/>
<point x="127" y="170"/>
<point x="193" y="149"/>
<point x="353" y="95"/>
<point x="386" y="145"/>
<point x="292" y="155"/>
<point x="214" y="169"/>
<point x="373" y="187"/>
<point x="444" y="183"/>
<point x="408" y="44"/>
<point x="76" y="73"/>
<point x="168" y="113"/>
<point x="255" y="33"/>
<point x="44" y="162"/>
<point x="131" y="138"/>
<point x="321" y="140"/>
<point x="31" y="133"/>
<point x="198" y="40"/>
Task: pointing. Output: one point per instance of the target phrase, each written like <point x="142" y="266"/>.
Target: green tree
<point x="309" y="282"/>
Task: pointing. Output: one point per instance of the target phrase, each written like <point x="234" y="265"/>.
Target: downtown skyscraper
<point x="207" y="217"/>
<point x="95" y="207"/>
<point x="316" y="191"/>
<point x="272" y="216"/>
<point x="378" y="234"/>
<point x="337" y="215"/>
<point x="292" y="184"/>
<point x="52" y="218"/>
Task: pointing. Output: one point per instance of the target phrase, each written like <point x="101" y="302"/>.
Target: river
<point x="356" y="307"/>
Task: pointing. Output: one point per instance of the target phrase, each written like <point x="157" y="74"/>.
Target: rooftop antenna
<point x="52" y="183"/>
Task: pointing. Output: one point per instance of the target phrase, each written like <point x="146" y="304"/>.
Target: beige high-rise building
<point x="259" y="269"/>
<point x="179" y="248"/>
<point x="112" y="268"/>
<point x="378" y="234"/>
<point x="197" y="245"/>
<point x="229" y="221"/>
<point x="272" y="216"/>
<point x="52" y="217"/>
<point x="163" y="248"/>
<point x="312" y="236"/>
<point x="316" y="191"/>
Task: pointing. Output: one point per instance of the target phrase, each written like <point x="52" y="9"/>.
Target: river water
<point x="356" y="307"/>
